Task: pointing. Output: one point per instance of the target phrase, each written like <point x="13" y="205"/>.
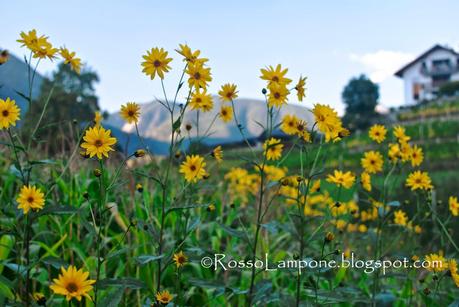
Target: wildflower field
<point x="96" y="227"/>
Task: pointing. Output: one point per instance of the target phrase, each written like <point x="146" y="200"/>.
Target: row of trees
<point x="69" y="99"/>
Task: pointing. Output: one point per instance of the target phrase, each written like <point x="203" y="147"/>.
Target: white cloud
<point x="383" y="63"/>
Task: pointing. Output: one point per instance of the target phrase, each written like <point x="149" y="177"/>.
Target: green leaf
<point x="6" y="244"/>
<point x="5" y="291"/>
<point x="46" y="161"/>
<point x="234" y="232"/>
<point x="56" y="210"/>
<point x="340" y="275"/>
<point x="144" y="259"/>
<point x="112" y="299"/>
<point x="127" y="282"/>
<point x="186" y="207"/>
<point x="206" y="283"/>
<point x="176" y="124"/>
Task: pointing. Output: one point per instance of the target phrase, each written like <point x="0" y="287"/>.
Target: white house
<point x="423" y="76"/>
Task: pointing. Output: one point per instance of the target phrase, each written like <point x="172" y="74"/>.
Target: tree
<point x="361" y="97"/>
<point x="72" y="100"/>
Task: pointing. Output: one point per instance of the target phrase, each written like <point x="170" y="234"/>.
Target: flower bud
<point x="139" y="153"/>
<point x="329" y="237"/>
<point x="84" y="154"/>
<point x="97" y="172"/>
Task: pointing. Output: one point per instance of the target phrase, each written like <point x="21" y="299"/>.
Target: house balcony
<point x="441" y="70"/>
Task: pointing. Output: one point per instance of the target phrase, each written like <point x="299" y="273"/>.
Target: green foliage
<point x="67" y="99"/>
<point x="449" y="89"/>
<point x="361" y="97"/>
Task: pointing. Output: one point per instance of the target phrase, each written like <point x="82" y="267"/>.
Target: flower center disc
<point x="157" y="63"/>
<point x="72" y="287"/>
<point x="98" y="143"/>
<point x="5" y="113"/>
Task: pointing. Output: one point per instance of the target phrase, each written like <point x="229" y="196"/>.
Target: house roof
<point x="400" y="72"/>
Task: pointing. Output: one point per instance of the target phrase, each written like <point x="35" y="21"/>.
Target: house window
<point x="417" y="88"/>
<point x="441" y="67"/>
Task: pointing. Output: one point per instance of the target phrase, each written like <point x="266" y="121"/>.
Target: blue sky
<point x="328" y="41"/>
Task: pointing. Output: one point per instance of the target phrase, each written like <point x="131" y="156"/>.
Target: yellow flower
<point x="345" y="180"/>
<point x="201" y="101"/>
<point x="394" y="152"/>
<point x="188" y="55"/>
<point x="217" y="153"/>
<point x="193" y="168"/>
<point x="363" y="228"/>
<point x="275" y="75"/>
<point x="45" y="50"/>
<point x="289" y="124"/>
<point x="419" y="180"/>
<point x="300" y="88"/>
<point x="72" y="283"/>
<point x="9" y="113"/>
<point x="399" y="133"/>
<point x="39" y="45"/>
<point x="164" y="297"/>
<point x="377" y="133"/>
<point x="273" y="149"/>
<point x="365" y="180"/>
<point x="69" y="58"/>
<point x="405" y="151"/>
<point x="400" y="218"/>
<point x="98" y="142"/>
<point x="30" y="197"/>
<point x="277" y="95"/>
<point x="372" y="162"/>
<point x="226" y="113"/>
<point x="180" y="259"/>
<point x="39" y="298"/>
<point x="452" y="265"/>
<point x="453" y="205"/>
<point x="228" y="92"/>
<point x="328" y="122"/>
<point x="437" y="263"/>
<point x="130" y="112"/>
<point x="274" y="173"/>
<point x="4" y="57"/>
<point x="97" y="118"/>
<point x="156" y="62"/>
<point x="305" y="136"/>
<point x="198" y="75"/>
<point x="29" y="39"/>
<point x="416" y="156"/>
<point x="315" y="186"/>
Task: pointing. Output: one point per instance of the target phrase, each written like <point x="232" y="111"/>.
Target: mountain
<point x="154" y="123"/>
<point x="14" y="77"/>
